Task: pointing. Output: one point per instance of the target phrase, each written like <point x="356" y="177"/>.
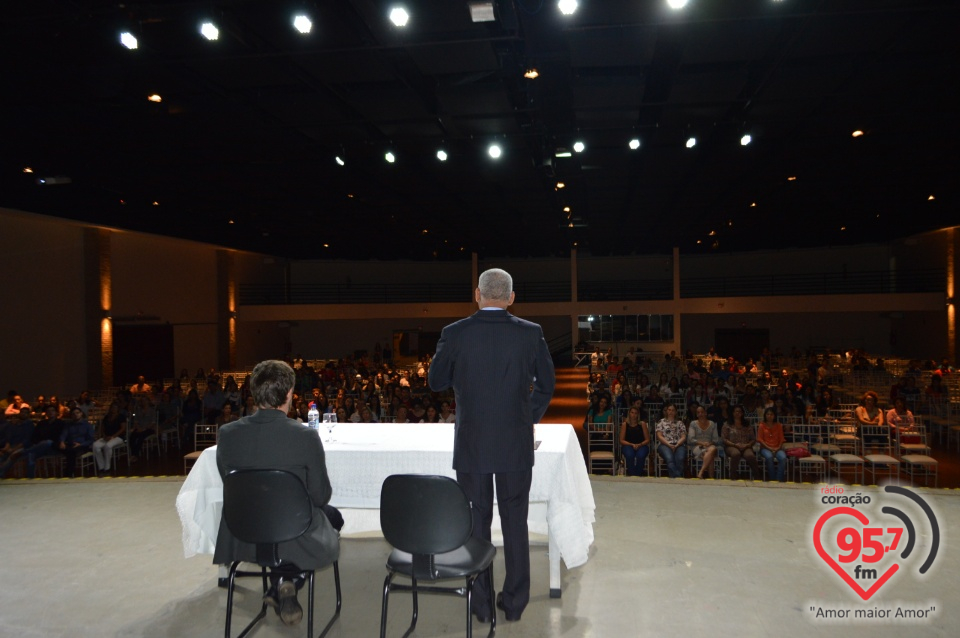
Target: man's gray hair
<point x="495" y="284"/>
<point x="270" y="382"/>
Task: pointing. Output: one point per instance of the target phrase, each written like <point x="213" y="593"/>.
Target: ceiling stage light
<point x="634" y="144"/>
<point x="399" y="16"/>
<point x="531" y="74"/>
<point x="691" y="142"/>
<point x="857" y="133"/>
<point x="746" y="139"/>
<point x="155" y="98"/>
<point x="339" y="160"/>
<point x="128" y="40"/>
<point x="578" y="147"/>
<point x="442" y="155"/>
<point x="677" y="4"/>
<point x="482" y="11"/>
<point x="495" y="151"/>
<point x="302" y="24"/>
<point x="209" y="31"/>
<point x="567" y="7"/>
<point x="390" y="157"/>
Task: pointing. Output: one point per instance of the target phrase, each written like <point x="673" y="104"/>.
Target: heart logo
<point x="865" y="594"/>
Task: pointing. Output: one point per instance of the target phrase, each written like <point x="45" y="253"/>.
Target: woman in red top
<point x="771" y="440"/>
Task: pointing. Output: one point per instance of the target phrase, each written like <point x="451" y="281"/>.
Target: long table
<point x="364" y="454"/>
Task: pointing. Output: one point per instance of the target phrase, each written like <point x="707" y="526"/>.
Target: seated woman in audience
<point x="721" y="413"/>
<point x="826" y="402"/>
<point x="671" y="439"/>
<point x="342" y="415"/>
<point x="702" y="440"/>
<point x="899" y="418"/>
<point x="664" y="384"/>
<point x="738" y="439"/>
<point x="227" y="415"/>
<point x="771" y="438"/>
<point x="75" y="440"/>
<point x="401" y="414"/>
<point x="673" y="389"/>
<point x="869" y="412"/>
<point x="936" y="395"/>
<point x="696" y="394"/>
<point x="232" y="393"/>
<point x="366" y="415"/>
<point x="250" y="406"/>
<point x="432" y="416"/>
<point x="601" y="413"/>
<point x="635" y="443"/>
<point x="446" y="414"/>
<point x="113" y="429"/>
<point x="624" y="400"/>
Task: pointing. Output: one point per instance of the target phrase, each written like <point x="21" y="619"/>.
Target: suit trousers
<point x="513" y="503"/>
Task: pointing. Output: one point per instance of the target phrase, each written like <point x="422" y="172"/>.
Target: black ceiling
<point x="241" y="150"/>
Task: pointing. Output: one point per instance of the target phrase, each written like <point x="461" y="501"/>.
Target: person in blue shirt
<point x="75" y="440"/>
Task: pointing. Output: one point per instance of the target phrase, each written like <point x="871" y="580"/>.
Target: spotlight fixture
<point x="746" y="139"/>
<point x="390" y="157"/>
<point x="442" y="155"/>
<point x="210" y="31"/>
<point x="561" y="185"/>
<point x="931" y="198"/>
<point x="578" y="146"/>
<point x="531" y="74"/>
<point x="302" y="24"/>
<point x="691" y="142"/>
<point x="495" y="151"/>
<point x="567" y="7"/>
<point x="634" y="144"/>
<point x="482" y="11"/>
<point x="399" y="16"/>
<point x="792" y="178"/>
<point x="339" y="160"/>
<point x="857" y="133"/>
<point x="128" y="40"/>
<point x="677" y="4"/>
<point x="27" y="169"/>
<point x="566" y="209"/>
<point x="155" y="98"/>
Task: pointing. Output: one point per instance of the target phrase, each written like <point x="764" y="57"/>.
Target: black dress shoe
<point x="483" y="617"/>
<point x="508" y="616"/>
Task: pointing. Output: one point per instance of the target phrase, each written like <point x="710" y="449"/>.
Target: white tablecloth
<point x="364" y="454"/>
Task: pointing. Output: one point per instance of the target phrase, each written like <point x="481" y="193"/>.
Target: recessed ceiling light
<point x="566" y="209"/>
<point x="302" y="24"/>
<point x="481" y="12"/>
<point x="399" y="16"/>
<point x="712" y="233"/>
<point x="155" y="98"/>
<point x="339" y="160"/>
<point x="156" y="203"/>
<point x="390" y="157"/>
<point x="931" y="198"/>
<point x="634" y="144"/>
<point x="753" y="204"/>
<point x="792" y="178"/>
<point x="746" y="139"/>
<point x="531" y="74"/>
<point x="442" y="155"/>
<point x="209" y="31"/>
<point x="677" y="4"/>
<point x="128" y="40"/>
<point x="567" y="7"/>
<point x="561" y="185"/>
<point x="857" y="133"/>
<point x="230" y="221"/>
<point x="494" y="151"/>
<point x="691" y="142"/>
<point x="578" y="146"/>
<point x="326" y="245"/>
<point x="27" y="169"/>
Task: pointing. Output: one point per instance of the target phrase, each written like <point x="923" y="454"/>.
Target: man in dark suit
<point x="267" y="439"/>
<point x="492" y="360"/>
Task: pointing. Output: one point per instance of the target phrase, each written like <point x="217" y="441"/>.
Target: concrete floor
<point x="102" y="557"/>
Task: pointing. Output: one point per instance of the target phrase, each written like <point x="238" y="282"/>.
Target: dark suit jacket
<point x="491" y="359"/>
<point x="269" y="440"/>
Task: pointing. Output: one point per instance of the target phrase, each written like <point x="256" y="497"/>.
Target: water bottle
<point x="313" y="417"/>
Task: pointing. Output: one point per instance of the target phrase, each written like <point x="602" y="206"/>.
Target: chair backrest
<point x="205" y="436"/>
<point x="266" y="507"/>
<point x="424" y="515"/>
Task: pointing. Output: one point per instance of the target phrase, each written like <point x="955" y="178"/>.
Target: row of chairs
<point x="832" y="448"/>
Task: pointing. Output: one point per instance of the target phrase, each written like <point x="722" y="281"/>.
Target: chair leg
<point x="230" y="587"/>
<point x="336" y="614"/>
<point x="416" y="607"/>
<point x="383" y="605"/>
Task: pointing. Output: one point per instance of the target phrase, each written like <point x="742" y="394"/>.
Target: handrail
<point x="836" y="283"/>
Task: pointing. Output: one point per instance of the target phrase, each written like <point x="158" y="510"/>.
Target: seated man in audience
<point x="76" y="439"/>
<point x="213" y="400"/>
<point x="84" y="402"/>
<point x="141" y="386"/>
<point x="143" y="423"/>
<point x="44" y="440"/>
<point x="15" y="440"/>
<point x="269" y="440"/>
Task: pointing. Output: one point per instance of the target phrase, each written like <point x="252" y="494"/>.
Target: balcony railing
<point x="850" y="283"/>
<point x="636" y="290"/>
<point x="251" y="295"/>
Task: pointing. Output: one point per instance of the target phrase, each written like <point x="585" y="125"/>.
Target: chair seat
<point x="920" y="459"/>
<point x="881" y="458"/>
<point x="474" y="556"/>
<point x="846" y="458"/>
<point x="825" y="447"/>
<point x="813" y="458"/>
<point x="601" y="454"/>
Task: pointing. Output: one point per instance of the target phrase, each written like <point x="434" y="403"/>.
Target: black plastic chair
<point x="266" y="508"/>
<point x="429" y="522"/>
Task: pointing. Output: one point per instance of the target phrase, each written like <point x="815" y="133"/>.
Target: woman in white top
<point x="702" y="438"/>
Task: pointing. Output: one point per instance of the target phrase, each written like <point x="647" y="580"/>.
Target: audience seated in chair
<point x="15" y="439"/>
<point x="702" y="441"/>
<point x="738" y="439"/>
<point x="75" y="440"/>
<point x="771" y="438"/>
<point x="113" y="428"/>
<point x="671" y="439"/>
<point x="634" y="443"/>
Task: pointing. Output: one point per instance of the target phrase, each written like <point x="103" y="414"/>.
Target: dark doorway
<point x="741" y="343"/>
<point x="144" y="349"/>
